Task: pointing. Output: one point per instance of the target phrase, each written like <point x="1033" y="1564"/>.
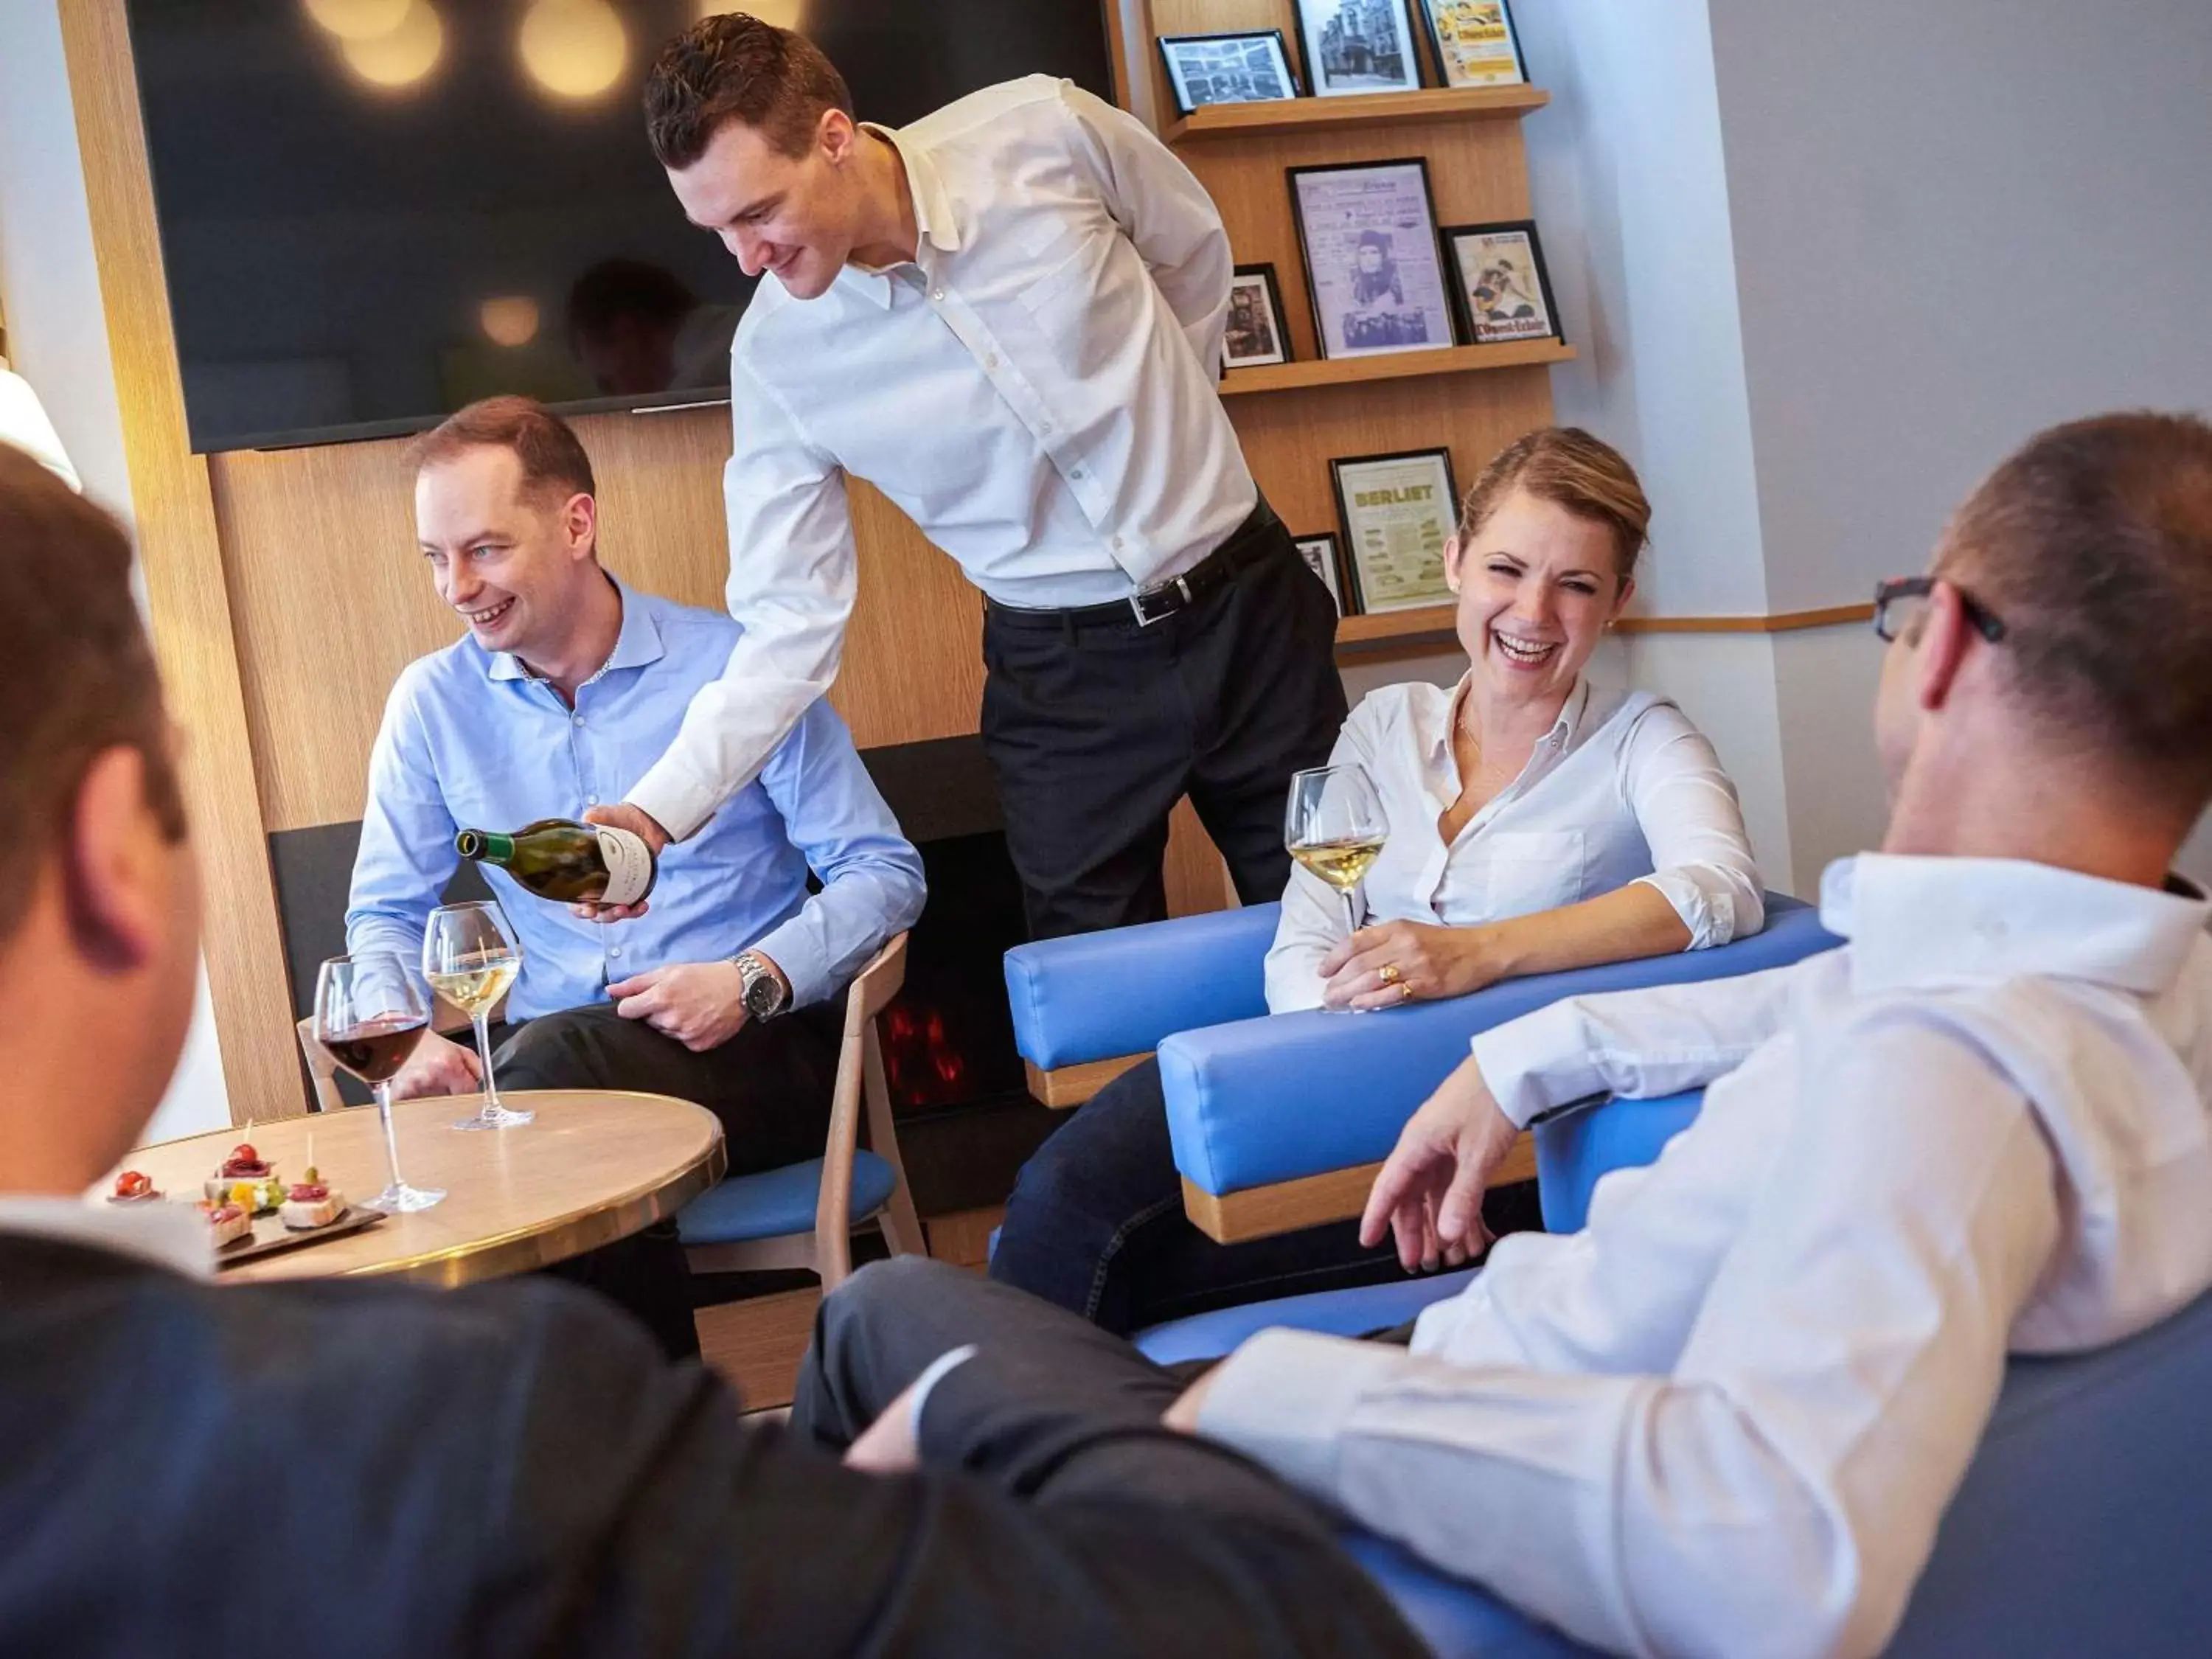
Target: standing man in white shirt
<point x="1008" y="318"/>
<point x="1727" y="1416"/>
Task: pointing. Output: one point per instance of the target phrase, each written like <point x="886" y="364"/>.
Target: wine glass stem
<point x="390" y="1140"/>
<point x="482" y="1023"/>
<point x="1351" y="914"/>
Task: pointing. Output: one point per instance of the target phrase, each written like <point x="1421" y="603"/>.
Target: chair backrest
<point x="860" y="1082"/>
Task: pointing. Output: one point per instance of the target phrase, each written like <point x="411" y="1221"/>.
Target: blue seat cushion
<point x="1336" y="1313"/>
<point x="778" y="1202"/>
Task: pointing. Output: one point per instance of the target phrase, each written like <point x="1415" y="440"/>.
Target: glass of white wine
<point x="1335" y="828"/>
<point x="470" y="957"/>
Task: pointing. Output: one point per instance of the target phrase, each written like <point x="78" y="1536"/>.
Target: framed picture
<point x="1254" y="68"/>
<point x="1322" y="559"/>
<point x="1357" y="45"/>
<point x="1367" y="231"/>
<point x="1255" y="319"/>
<point x="1504" y="292"/>
<point x="1476" y="42"/>
<point x="1398" y="511"/>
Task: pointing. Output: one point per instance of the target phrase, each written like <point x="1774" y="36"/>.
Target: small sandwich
<point x="312" y="1203"/>
<point x="243" y="1165"/>
<point x="227" y="1223"/>
<point x="132" y="1188"/>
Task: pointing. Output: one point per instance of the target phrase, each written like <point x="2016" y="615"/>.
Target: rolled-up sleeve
<point x="406" y="855"/>
<point x="872" y="876"/>
<point x="1686" y="806"/>
<point x="793" y="574"/>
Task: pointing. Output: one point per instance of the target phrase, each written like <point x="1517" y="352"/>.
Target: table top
<point x="596" y="1166"/>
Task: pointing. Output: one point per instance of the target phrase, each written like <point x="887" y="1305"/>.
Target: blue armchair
<point x="2076" y="1530"/>
<point x="1279" y="1121"/>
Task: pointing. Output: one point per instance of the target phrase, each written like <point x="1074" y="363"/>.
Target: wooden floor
<point x="756" y="1343"/>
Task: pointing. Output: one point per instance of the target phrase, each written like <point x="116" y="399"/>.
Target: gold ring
<point x="1405" y="993"/>
<point x="1388" y="974"/>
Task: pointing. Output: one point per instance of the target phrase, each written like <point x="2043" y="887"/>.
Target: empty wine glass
<point x="470" y="957"/>
<point x="370" y="1015"/>
<point x="1335" y="828"/>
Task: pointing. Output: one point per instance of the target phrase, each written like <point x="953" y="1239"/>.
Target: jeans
<point x="1096" y="1224"/>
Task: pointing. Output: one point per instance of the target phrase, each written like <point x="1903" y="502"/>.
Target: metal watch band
<point x="753" y="972"/>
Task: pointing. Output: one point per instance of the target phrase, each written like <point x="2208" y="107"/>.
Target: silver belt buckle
<point x="1179" y="585"/>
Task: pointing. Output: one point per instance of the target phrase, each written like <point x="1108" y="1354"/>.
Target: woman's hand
<point x="1397" y="962"/>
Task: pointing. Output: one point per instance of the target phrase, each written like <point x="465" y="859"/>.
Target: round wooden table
<point x="593" y="1168"/>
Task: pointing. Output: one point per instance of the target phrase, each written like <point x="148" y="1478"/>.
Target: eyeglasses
<point x="1893" y="602"/>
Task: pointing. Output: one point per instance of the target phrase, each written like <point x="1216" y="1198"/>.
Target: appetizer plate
<point x="272" y="1237"/>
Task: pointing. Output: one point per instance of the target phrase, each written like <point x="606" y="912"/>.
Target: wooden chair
<point x="802" y="1216"/>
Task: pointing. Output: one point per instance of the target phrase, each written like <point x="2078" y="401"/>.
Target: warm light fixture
<point x="23" y="421"/>
<point x="574" y="48"/>
<point x="784" y="14"/>
<point x="359" y="20"/>
<point x="404" y="54"/>
<point x="510" y="319"/>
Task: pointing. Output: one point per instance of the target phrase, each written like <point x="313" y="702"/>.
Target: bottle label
<point x="629" y="865"/>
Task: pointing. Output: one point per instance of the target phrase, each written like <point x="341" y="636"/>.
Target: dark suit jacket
<point x="333" y="1469"/>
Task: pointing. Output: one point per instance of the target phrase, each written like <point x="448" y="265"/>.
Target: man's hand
<point x="1431" y="963"/>
<point x="1182" y="1416"/>
<point x="887" y="1446"/>
<point x="700" y="1004"/>
<point x="1430" y="1192"/>
<point x="437" y="1068"/>
<point x="646" y="827"/>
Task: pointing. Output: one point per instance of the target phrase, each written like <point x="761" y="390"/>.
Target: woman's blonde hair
<point x="1568" y="468"/>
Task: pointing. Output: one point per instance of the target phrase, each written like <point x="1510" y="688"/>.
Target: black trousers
<point x="770" y="1086"/>
<point x="1095" y="730"/>
<point x="1221" y="1558"/>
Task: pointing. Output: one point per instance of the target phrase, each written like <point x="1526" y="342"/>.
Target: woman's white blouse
<point x="1624" y="789"/>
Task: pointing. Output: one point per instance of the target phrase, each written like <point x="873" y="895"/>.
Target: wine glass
<point x="369" y="1015"/>
<point x="1335" y="828"/>
<point x="470" y="957"/>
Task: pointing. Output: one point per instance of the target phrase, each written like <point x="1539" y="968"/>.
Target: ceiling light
<point x="574" y="48"/>
<point x="405" y="54"/>
<point x="511" y="319"/>
<point x="359" y="20"/>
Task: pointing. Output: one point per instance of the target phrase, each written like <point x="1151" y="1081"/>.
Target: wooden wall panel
<point x="331" y="597"/>
<point x="183" y="565"/>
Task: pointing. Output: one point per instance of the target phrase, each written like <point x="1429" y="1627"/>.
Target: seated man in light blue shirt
<point x="566" y="687"/>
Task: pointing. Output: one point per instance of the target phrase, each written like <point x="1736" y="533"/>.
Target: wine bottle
<point x="560" y="859"/>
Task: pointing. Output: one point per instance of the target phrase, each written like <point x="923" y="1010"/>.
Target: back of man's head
<point x="98" y="940"/>
<point x="2092" y="544"/>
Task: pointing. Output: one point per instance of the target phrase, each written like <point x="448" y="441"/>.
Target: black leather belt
<point x="1247" y="545"/>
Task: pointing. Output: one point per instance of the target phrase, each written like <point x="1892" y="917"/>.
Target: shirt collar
<point x="1561" y="737"/>
<point x="933" y="218"/>
<point x="1922" y="923"/>
<point x="167" y="1235"/>
<point x="636" y="644"/>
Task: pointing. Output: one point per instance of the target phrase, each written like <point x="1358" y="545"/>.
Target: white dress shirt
<point x="1035" y="391"/>
<point x="1726" y="1416"/>
<point x="172" y="1234"/>
<point x="1624" y="789"/>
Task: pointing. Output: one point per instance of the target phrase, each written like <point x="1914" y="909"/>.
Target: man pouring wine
<point x="567" y="686"/>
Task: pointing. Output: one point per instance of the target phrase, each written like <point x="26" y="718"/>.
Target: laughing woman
<point x="1537" y="824"/>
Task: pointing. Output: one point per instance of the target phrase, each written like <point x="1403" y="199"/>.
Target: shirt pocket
<point x="1532" y="870"/>
<point x="1081" y="305"/>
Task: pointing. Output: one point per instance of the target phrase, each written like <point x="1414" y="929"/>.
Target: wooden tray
<point x="271" y="1237"/>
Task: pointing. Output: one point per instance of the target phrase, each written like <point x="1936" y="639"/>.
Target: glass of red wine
<point x="370" y="1014"/>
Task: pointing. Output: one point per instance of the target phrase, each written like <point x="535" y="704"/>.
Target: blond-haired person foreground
<point x="1537" y="822"/>
<point x="1725" y="1418"/>
<point x="377" y="1471"/>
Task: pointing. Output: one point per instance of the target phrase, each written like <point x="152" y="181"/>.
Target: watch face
<point x="763" y="995"/>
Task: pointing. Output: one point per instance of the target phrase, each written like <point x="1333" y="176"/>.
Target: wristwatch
<point x="763" y="994"/>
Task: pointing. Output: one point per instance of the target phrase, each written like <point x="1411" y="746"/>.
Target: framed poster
<point x="1255" y="334"/>
<point x="1253" y="68"/>
<point x="1398" y="512"/>
<point x="1476" y="42"/>
<point x="1357" y="45"/>
<point x="1503" y="291"/>
<point x="1322" y="558"/>
<point x="1367" y="231"/>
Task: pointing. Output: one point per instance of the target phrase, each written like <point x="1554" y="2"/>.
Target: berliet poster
<point x="1370" y="239"/>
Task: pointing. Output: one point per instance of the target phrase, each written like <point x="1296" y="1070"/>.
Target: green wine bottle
<point x="561" y="860"/>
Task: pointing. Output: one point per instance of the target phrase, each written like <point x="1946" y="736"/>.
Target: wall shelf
<point x="1394" y="366"/>
<point x="1358" y="109"/>
<point x="1427" y="622"/>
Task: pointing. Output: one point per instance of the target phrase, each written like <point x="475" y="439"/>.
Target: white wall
<point x="57" y="340"/>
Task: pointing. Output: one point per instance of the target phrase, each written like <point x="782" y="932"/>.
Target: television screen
<point x="374" y="211"/>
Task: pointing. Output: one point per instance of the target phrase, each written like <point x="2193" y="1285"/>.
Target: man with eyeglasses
<point x="1727" y="1416"/>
